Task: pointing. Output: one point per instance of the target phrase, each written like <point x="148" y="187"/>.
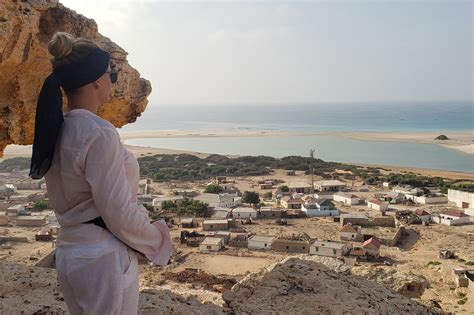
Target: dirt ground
<point x="414" y="253"/>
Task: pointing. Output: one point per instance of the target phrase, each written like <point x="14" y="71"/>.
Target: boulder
<point x="25" y="29"/>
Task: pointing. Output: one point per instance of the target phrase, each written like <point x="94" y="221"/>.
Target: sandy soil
<point x="461" y="141"/>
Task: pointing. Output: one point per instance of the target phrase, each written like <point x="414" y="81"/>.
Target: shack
<point x="294" y="243"/>
<point x="260" y="242"/>
<point x="329" y="248"/>
<point x="211" y="244"/>
<point x="215" y="225"/>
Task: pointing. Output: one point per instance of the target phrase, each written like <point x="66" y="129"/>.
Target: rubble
<point x="208" y="281"/>
<point x="446" y="254"/>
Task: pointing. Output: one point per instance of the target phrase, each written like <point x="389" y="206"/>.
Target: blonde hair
<point x="66" y="48"/>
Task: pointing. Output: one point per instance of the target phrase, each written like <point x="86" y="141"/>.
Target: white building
<point x="211" y="244"/>
<point x="427" y="199"/>
<point x="15" y="210"/>
<point x="329" y="248"/>
<point x="424" y="215"/>
<point x="348" y="199"/>
<point x="463" y="200"/>
<point x="218" y="200"/>
<point x="329" y="185"/>
<point x="260" y="242"/>
<point x="320" y="208"/>
<point x="377" y="205"/>
<point x="351" y="232"/>
<point x="451" y="217"/>
<point x="244" y="213"/>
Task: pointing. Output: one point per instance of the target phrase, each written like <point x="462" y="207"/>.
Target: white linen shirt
<point x="92" y="175"/>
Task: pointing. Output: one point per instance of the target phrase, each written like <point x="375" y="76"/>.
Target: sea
<point x="439" y="117"/>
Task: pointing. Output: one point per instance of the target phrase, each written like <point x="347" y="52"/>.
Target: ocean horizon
<point x="403" y="117"/>
<point x="400" y="117"/>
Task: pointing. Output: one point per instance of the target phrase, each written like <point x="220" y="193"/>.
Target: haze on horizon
<point x="262" y="52"/>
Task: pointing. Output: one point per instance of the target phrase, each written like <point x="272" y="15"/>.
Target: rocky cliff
<point x="25" y="29"/>
<point x="297" y="285"/>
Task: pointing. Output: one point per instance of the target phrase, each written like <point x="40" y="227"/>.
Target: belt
<point x="97" y="221"/>
<point x="100" y="222"/>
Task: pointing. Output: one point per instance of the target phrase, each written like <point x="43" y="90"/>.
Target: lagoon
<point x="328" y="148"/>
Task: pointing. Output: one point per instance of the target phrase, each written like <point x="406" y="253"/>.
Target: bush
<point x="40" y="205"/>
<point x="284" y="188"/>
<point x="213" y="189"/>
<point x="18" y="163"/>
<point x="251" y="197"/>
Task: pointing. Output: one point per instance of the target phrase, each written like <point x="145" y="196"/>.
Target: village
<point x="250" y="222"/>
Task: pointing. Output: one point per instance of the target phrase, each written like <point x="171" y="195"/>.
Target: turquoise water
<point x="328" y="148"/>
<point x="439" y="117"/>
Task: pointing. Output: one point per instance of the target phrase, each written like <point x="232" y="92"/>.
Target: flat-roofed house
<point x="329" y="248"/>
<point x="295" y="243"/>
<point x="299" y="187"/>
<point x="320" y="208"/>
<point x="211" y="244"/>
<point x="463" y="200"/>
<point x="269" y="213"/>
<point x="289" y="202"/>
<point x="15" y="210"/>
<point x="378" y="205"/>
<point x="187" y="223"/>
<point x="346" y="198"/>
<point x="244" y="213"/>
<point x="329" y="185"/>
<point x="260" y="242"/>
<point x="215" y="225"/>
<point x="30" y="220"/>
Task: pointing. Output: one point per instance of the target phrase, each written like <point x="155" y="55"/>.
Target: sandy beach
<point x="458" y="140"/>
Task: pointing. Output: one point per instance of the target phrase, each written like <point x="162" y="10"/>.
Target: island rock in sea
<point x="25" y="29"/>
<point x="441" y="137"/>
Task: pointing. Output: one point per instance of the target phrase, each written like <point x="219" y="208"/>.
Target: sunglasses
<point x="113" y="75"/>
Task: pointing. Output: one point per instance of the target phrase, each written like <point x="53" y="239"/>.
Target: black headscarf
<point x="49" y="113"/>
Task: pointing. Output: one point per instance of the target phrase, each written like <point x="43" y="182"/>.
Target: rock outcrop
<point x="441" y="137"/>
<point x="25" y="29"/>
<point x="296" y="286"/>
<point x="403" y="282"/>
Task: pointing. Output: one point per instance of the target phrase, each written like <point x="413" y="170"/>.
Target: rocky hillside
<point x="293" y="286"/>
<point x="303" y="286"/>
<point x="25" y="29"/>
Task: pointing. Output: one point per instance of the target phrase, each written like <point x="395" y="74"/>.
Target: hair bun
<point x="61" y="45"/>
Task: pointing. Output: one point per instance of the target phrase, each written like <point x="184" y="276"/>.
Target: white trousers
<point x="99" y="278"/>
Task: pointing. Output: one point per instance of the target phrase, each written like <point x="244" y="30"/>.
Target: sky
<point x="288" y="52"/>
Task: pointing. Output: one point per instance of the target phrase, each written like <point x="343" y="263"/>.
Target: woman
<point x="92" y="185"/>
